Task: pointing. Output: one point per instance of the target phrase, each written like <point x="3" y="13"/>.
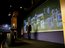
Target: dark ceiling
<point x="7" y="6"/>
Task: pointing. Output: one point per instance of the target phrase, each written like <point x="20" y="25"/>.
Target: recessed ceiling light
<point x="20" y="7"/>
<point x="9" y="14"/>
<point x="10" y="5"/>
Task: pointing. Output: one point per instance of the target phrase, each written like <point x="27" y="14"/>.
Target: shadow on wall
<point x="36" y="33"/>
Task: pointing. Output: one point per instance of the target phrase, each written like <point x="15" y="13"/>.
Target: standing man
<point x="29" y="33"/>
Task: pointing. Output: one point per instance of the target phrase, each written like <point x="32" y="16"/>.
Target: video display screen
<point x="46" y="17"/>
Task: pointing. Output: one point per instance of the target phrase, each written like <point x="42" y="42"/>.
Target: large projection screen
<point x="46" y="17"/>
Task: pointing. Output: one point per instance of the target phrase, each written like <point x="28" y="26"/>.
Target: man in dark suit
<point x="29" y="33"/>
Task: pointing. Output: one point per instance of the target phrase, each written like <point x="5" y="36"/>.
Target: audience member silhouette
<point x="29" y="33"/>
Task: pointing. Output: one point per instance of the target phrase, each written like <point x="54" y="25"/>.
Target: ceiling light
<point x="9" y="14"/>
<point x="20" y="7"/>
<point x="10" y="5"/>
